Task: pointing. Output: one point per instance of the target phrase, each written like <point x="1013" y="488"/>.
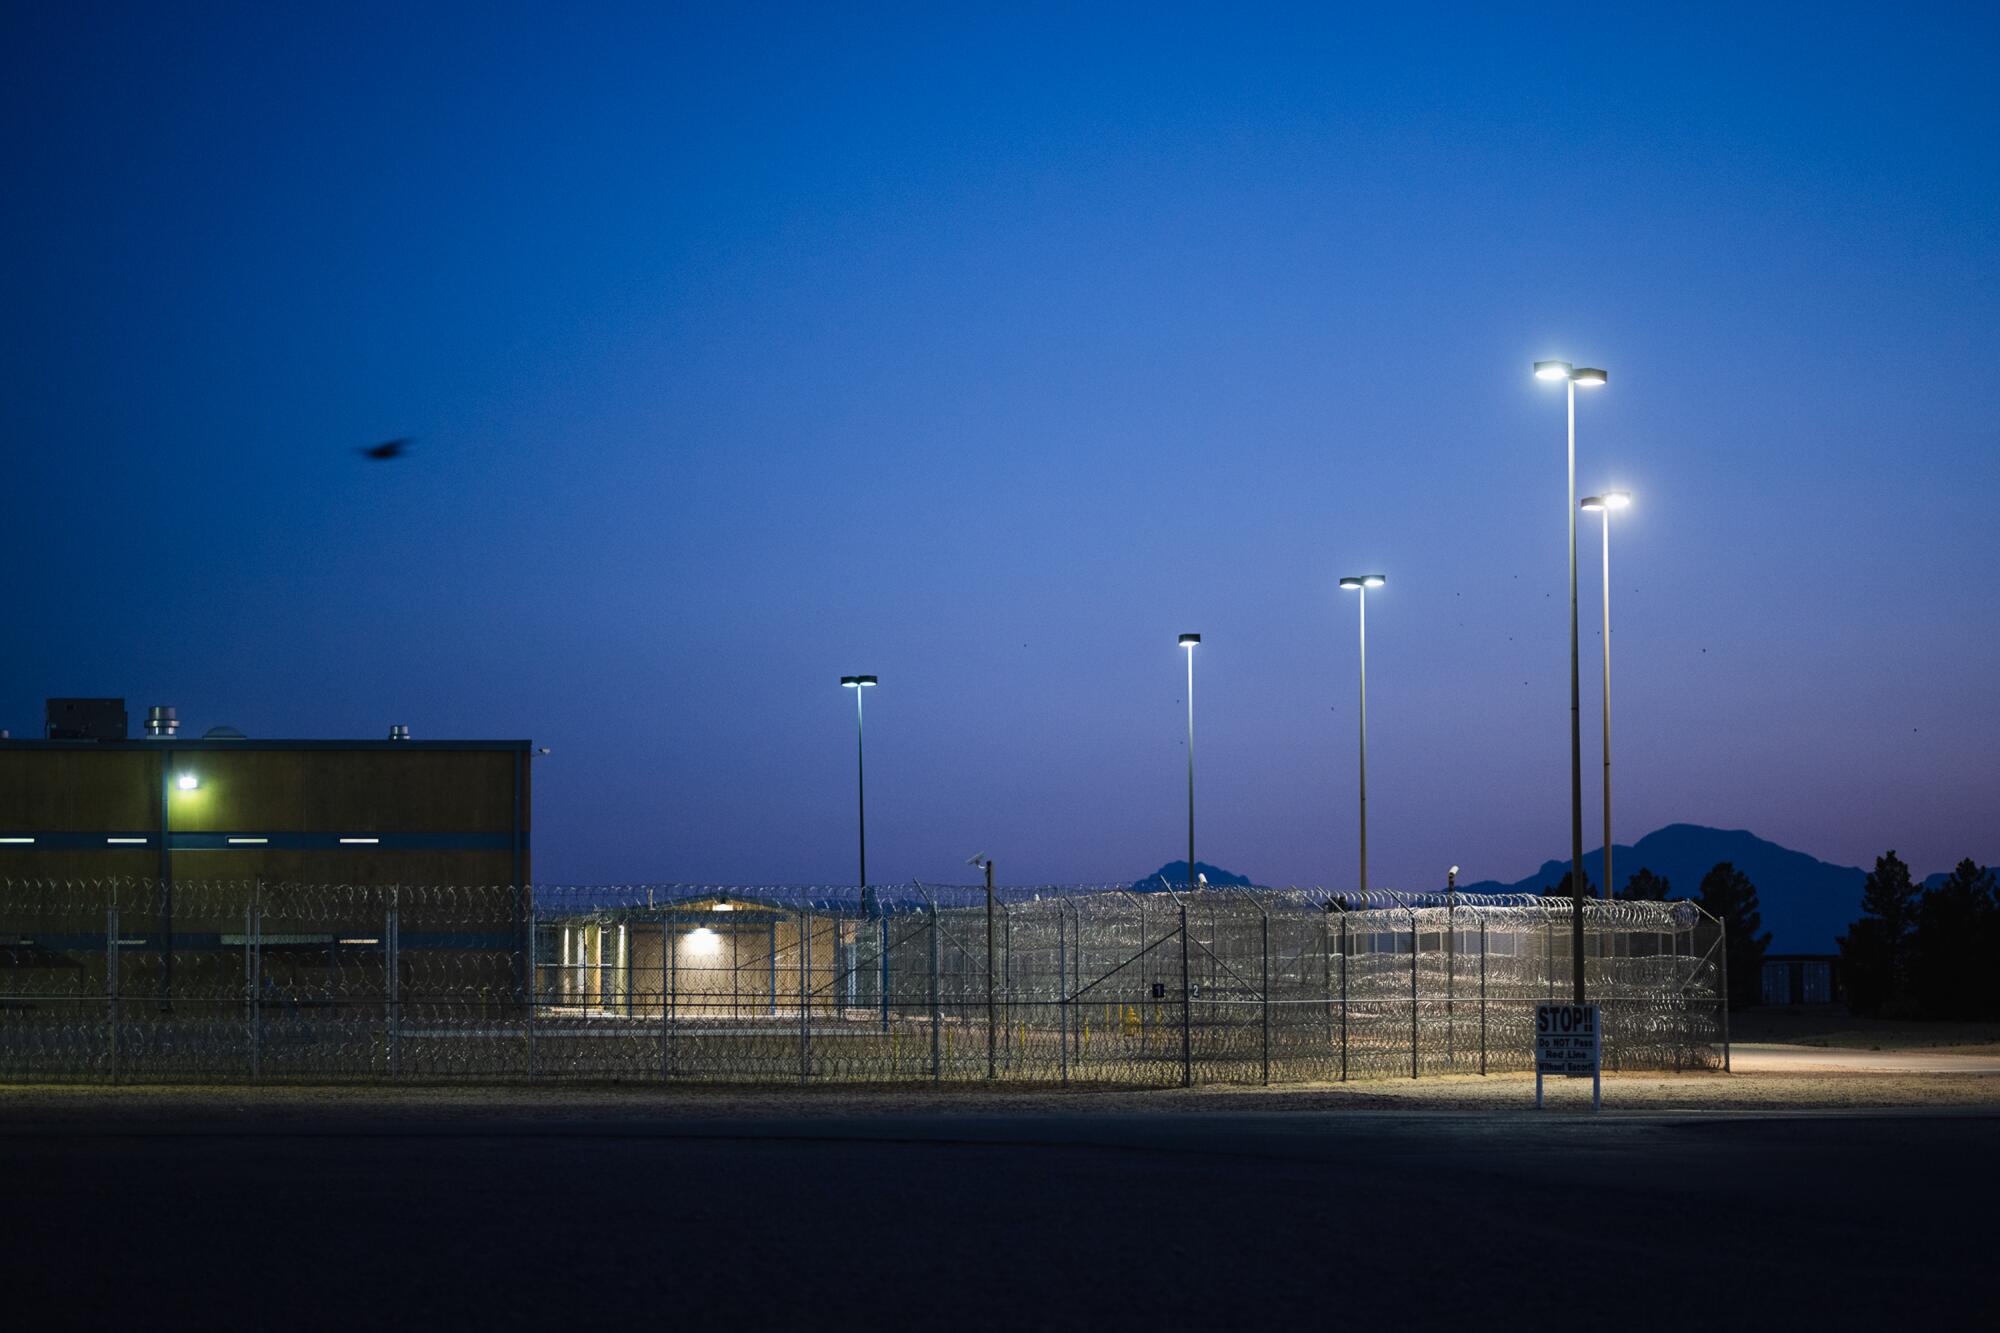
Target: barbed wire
<point x="223" y="980"/>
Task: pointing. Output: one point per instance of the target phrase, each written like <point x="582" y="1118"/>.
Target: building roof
<point x="235" y="743"/>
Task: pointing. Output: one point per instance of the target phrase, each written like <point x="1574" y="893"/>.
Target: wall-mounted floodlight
<point x="723" y="905"/>
<point x="187" y="782"/>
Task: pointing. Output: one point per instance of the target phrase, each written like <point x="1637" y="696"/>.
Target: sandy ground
<point x="1760" y="1058"/>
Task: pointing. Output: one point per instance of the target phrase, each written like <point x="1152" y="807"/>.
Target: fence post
<point x="1187" y="1010"/>
<point x="1062" y="986"/>
<point x="1076" y="1012"/>
<point x="1415" y="940"/>
<point x="805" y="992"/>
<point x="1264" y="928"/>
<point x="1723" y="929"/>
<point x="882" y="950"/>
<point x="1343" y="998"/>
<point x="937" y="1004"/>
<point x="992" y="1020"/>
<point x="392" y="941"/>
<point x="1326" y="973"/>
<point x="252" y="921"/>
<point x="1482" y="995"/>
<point x="1145" y="1008"/>
<point x="111" y="978"/>
<point x="1007" y="978"/>
<point x="667" y="997"/>
<point x="1451" y="977"/>
<point x="534" y="977"/>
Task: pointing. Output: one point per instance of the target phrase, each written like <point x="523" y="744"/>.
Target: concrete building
<point x="187" y="837"/>
<point x="706" y="956"/>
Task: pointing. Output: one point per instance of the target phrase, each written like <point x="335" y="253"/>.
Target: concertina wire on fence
<point x="221" y="981"/>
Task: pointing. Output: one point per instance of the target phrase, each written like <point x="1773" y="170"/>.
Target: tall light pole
<point x="1188" y="641"/>
<point x="858" y="684"/>
<point x="1361" y="583"/>
<point x="1590" y="377"/>
<point x="1602" y="505"/>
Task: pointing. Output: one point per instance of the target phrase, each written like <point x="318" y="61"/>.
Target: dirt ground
<point x="1783" y="1054"/>
<point x="1786" y="1090"/>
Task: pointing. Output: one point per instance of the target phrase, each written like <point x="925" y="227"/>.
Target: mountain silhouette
<point x="1175" y="873"/>
<point x="1806" y="902"/>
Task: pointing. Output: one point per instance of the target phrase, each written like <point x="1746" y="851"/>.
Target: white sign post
<point x="1568" y="1044"/>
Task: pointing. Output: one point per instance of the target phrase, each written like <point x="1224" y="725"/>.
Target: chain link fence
<point x="239" y="981"/>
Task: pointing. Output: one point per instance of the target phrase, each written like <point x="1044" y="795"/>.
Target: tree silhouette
<point x="1646" y="887"/>
<point x="1875" y="952"/>
<point x="1561" y="889"/>
<point x="1728" y="895"/>
<point x="1951" y="948"/>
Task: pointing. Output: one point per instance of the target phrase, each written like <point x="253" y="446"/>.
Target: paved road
<point x="1217" y="1219"/>
<point x="1757" y="1058"/>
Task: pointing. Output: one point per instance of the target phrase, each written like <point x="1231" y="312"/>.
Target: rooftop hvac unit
<point x="84" y="719"/>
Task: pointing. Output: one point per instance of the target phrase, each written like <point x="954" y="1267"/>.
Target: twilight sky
<point x="747" y="347"/>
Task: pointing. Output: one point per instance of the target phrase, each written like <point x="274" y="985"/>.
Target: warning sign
<point x="1568" y="1044"/>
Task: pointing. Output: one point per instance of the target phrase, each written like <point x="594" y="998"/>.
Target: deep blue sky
<point x="749" y="347"/>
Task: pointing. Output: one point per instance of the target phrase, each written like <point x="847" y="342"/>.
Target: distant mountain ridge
<point x="1806" y="902"/>
<point x="1175" y="873"/>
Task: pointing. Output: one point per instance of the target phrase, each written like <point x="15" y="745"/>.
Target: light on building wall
<point x="187" y="782"/>
<point x="703" y="940"/>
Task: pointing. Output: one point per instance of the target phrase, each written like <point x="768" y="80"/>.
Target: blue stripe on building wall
<point x="496" y="941"/>
<point x="284" y="842"/>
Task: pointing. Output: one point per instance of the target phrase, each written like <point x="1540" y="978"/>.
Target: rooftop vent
<point x="161" y="723"/>
<point x="399" y="732"/>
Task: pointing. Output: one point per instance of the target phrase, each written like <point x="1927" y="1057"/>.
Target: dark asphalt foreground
<point x="174" y="1218"/>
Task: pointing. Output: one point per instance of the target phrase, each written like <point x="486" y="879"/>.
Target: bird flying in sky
<point x="387" y="449"/>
